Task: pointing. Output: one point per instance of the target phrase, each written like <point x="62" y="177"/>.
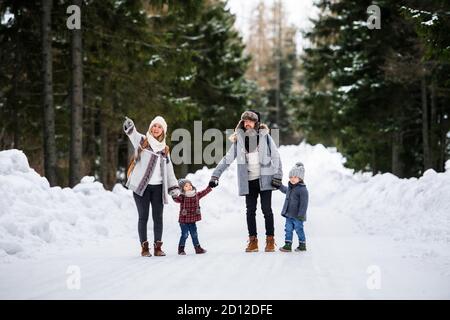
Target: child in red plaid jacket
<point x="189" y="201"/>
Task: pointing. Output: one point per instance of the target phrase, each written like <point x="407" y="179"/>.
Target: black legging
<point x="266" y="207"/>
<point x="153" y="195"/>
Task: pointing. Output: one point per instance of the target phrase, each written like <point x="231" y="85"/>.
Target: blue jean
<point x="187" y="228"/>
<point x="291" y="225"/>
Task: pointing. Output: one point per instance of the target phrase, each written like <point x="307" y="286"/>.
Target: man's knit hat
<point x="251" y="115"/>
<point x="298" y="171"/>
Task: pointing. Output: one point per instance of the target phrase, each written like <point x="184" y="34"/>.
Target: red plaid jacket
<point x="190" y="206"/>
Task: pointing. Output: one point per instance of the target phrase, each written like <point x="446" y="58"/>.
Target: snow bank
<point x="35" y="217"/>
<point x="382" y="204"/>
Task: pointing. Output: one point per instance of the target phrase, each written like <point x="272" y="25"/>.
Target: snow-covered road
<point x="348" y="256"/>
<point x="338" y="264"/>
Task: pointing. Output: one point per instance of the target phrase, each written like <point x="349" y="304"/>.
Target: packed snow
<point x="367" y="237"/>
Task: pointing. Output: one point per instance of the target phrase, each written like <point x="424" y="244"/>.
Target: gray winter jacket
<point x="296" y="202"/>
<point x="269" y="159"/>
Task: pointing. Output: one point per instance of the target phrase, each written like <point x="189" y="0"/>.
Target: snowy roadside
<point x="360" y="228"/>
<point x="35" y="218"/>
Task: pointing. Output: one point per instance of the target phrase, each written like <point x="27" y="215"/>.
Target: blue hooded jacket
<point x="296" y="203"/>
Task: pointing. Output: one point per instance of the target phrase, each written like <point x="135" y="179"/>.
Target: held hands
<point x="127" y="124"/>
<point x="276" y="183"/>
<point x="175" y="192"/>
<point x="213" y="182"/>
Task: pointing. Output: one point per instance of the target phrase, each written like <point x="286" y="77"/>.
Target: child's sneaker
<point x="199" y="250"/>
<point x="301" y="247"/>
<point x="287" y="247"/>
<point x="181" y="251"/>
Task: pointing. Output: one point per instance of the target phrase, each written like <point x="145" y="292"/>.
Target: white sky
<point x="298" y="13"/>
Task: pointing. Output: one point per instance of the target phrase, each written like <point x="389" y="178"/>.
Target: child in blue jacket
<point x="294" y="208"/>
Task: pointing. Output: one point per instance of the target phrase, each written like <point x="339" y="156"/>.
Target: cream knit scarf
<point x="190" y="193"/>
<point x="156" y="145"/>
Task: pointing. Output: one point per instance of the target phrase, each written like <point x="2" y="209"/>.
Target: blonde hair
<point x="161" y="137"/>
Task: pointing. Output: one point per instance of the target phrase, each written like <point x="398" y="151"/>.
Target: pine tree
<point x="272" y="48"/>
<point x="368" y="89"/>
<point x="47" y="93"/>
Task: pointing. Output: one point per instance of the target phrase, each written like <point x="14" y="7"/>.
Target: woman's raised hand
<point x="127" y="124"/>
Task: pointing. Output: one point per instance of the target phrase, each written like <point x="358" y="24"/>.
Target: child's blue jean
<point x="187" y="228"/>
<point x="291" y="225"/>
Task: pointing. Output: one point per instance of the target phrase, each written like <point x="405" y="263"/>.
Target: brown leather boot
<point x="158" y="252"/>
<point x="181" y="251"/>
<point x="252" y="244"/>
<point x="145" y="250"/>
<point x="199" y="250"/>
<point x="270" y="244"/>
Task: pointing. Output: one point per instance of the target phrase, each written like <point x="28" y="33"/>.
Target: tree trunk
<point x="104" y="167"/>
<point x="183" y="169"/>
<point x="130" y="150"/>
<point x="445" y="142"/>
<point x="15" y="83"/>
<point x="397" y="149"/>
<point x="425" y="127"/>
<point x="76" y="142"/>
<point x="47" y="93"/>
<point x="113" y="155"/>
<point x="374" y="161"/>
<point x="434" y="148"/>
<point x="109" y="155"/>
<point x="442" y="151"/>
<point x="91" y="143"/>
<point x="15" y="115"/>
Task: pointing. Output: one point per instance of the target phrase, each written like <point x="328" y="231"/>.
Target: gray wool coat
<point x="269" y="159"/>
<point x="296" y="202"/>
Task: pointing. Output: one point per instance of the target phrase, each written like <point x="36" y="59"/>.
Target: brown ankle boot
<point x="252" y="244"/>
<point x="158" y="252"/>
<point x="270" y="244"/>
<point x="199" y="250"/>
<point x="181" y="251"/>
<point x="145" y="250"/>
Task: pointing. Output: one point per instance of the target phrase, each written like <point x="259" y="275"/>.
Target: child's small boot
<point x="181" y="251"/>
<point x="287" y="247"/>
<point x="199" y="249"/>
<point x="301" y="247"/>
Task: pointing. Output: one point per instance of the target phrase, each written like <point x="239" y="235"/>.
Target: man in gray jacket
<point x="258" y="170"/>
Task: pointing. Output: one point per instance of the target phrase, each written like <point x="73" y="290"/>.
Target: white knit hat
<point x="298" y="171"/>
<point x="159" y="120"/>
<point x="182" y="183"/>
